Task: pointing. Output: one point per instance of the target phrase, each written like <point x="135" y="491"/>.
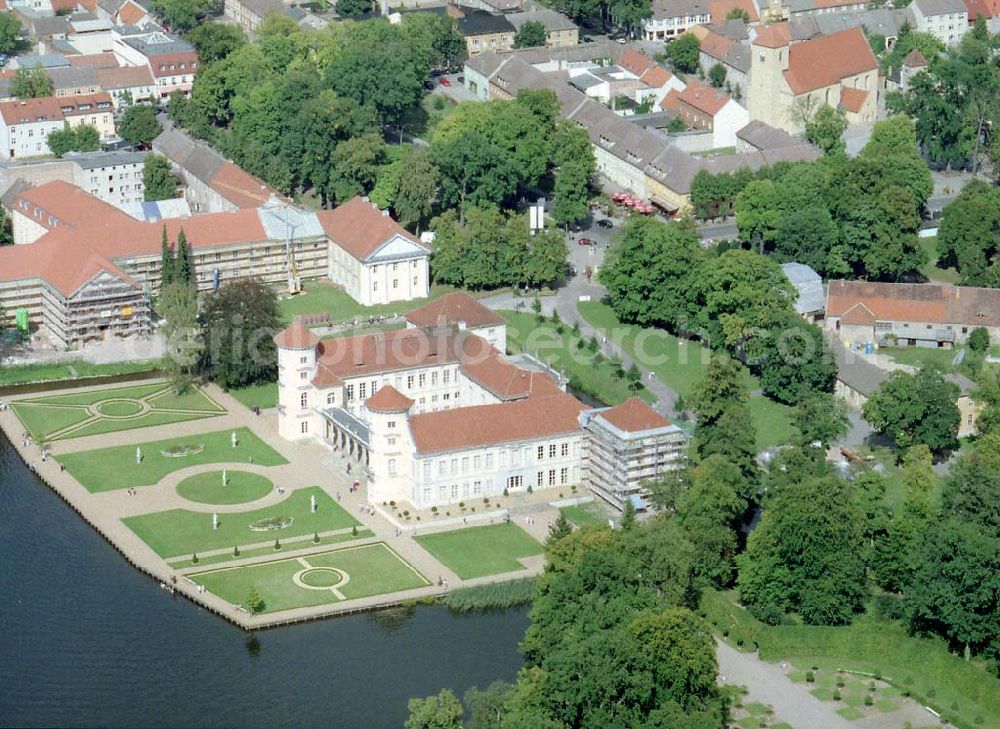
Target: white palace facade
<point x="434" y="413"/>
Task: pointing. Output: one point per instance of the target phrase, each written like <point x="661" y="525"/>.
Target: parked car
<point x="429" y="85"/>
<point x="585" y="242"/>
<point x="604" y="223"/>
<point x="461" y="79"/>
<point x="444" y="81"/>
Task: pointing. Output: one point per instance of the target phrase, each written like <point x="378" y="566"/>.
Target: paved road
<point x="768" y="684"/>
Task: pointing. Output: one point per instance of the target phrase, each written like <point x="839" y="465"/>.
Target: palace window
<point x="363" y="390"/>
<point x="514" y="482"/>
<point x="541" y="452"/>
<point x="564" y="450"/>
<point x="392" y="466"/>
<point x="304" y="399"/>
<point x="305" y="426"/>
<point x="331" y="398"/>
<point x="552" y="450"/>
<point x="552" y="477"/>
<point x="564" y="475"/>
<point x="541" y="479"/>
<point x="350" y="393"/>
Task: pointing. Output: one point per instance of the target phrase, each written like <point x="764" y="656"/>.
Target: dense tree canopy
<point x="82" y="138"/>
<point x="30" y="83"/>
<point x="531" y="35"/>
<point x="683" y="53"/>
<point x="11" y="33"/>
<point x="969" y="235"/>
<point x="794" y="361"/>
<point x="238" y="323"/>
<point x="139" y="125"/>
<point x="826" y="129"/>
<point x="916" y="409"/>
<point x="158" y="181"/>
<point x="215" y="41"/>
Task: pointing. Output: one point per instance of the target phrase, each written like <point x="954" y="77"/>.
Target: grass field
<point x="584" y="515"/>
<point x="178" y="532"/>
<point x="595" y="377"/>
<point x="241" y="487"/>
<point x="261" y="396"/>
<point x="931" y="269"/>
<point x="372" y="569"/>
<point x="289" y="545"/>
<point x="106" y="469"/>
<point x="69" y="370"/>
<point x="324" y="298"/>
<point x="92" y="412"/>
<point x="922" y="666"/>
<point x="480" y="551"/>
<point x="681" y="363"/>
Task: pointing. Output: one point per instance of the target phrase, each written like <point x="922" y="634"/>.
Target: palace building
<point x="435" y="414"/>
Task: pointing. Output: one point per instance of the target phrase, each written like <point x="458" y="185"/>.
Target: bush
<point x="836" y="695"/>
<point x="869" y="701"/>
<point x="316" y="537"/>
<point x="979" y="339"/>
<point x="236" y="551"/>
<point x="277" y="544"/>
<point x="770" y="614"/>
<point x="434" y="510"/>
<point x="840" y="683"/>
<point x="438" y="103"/>
<point x="194" y="558"/>
<point x="810" y="677"/>
<point x="954" y="706"/>
<point x="888" y="607"/>
<point x="530" y="490"/>
<point x="505" y="492"/>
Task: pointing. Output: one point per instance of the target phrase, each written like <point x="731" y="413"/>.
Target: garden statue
<point x="225" y="477"/>
<point x="312" y="503"/>
<point x="215" y="520"/>
<point x="138" y="455"/>
<point x="232" y="439"/>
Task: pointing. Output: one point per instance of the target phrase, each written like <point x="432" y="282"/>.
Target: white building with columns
<point x="436" y="415"/>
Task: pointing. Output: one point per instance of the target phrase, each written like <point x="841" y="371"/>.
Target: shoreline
<point x="141" y="557"/>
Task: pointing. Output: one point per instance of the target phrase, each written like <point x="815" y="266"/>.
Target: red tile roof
<point x="94" y="60"/>
<point x="65" y="263"/>
<point x="60" y="203"/>
<point x="921" y="303"/>
<point x="63" y="6"/>
<point x="483" y="425"/>
<point x="720" y="9"/>
<point x="714" y="45"/>
<point x="859" y="314"/>
<point x="703" y="97"/>
<point x="504" y="380"/>
<point x="296" y="336"/>
<point x="773" y="36"/>
<point x="915" y="59"/>
<point x="825" y="61"/>
<point x="125" y="77"/>
<point x="634" y="415"/>
<point x="388" y="400"/>
<point x="86" y="104"/>
<point x="985" y="8"/>
<point x="25" y="111"/>
<point x="240" y="187"/>
<point x="852" y="100"/>
<point x="188" y="58"/>
<point x="396" y="350"/>
<point x="656" y="77"/>
<point x="452" y="309"/>
<point x="360" y="228"/>
<point x="130" y="13"/>
<point x="635" y="62"/>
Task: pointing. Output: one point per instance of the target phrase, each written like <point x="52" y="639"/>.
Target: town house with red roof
<point x="789" y="80"/>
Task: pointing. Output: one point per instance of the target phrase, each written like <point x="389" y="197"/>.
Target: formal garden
<point x="314" y="579"/>
<point x="481" y="551"/>
<point x="180" y="532"/>
<point x="145" y="464"/>
<point x="225" y="487"/>
<point x="93" y="412"/>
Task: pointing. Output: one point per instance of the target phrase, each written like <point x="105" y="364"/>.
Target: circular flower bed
<point x="321" y="577"/>
<point x="271" y="524"/>
<point x="179" y="451"/>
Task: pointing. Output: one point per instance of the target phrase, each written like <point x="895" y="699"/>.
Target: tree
<point x="627" y="520"/>
<point x="238" y="323"/>
<point x="139" y="125"/>
<point x="166" y="261"/>
<point x="178" y="305"/>
<point x="181" y="15"/>
<point x="979" y="339"/>
<point x="353" y="8"/>
<point x="215" y="41"/>
<point x="531" y="35"/>
<point x="725" y="424"/>
<point x="738" y="14"/>
<point x="574" y="158"/>
<point x="253" y="602"/>
<point x="820" y="418"/>
<point x="82" y="138"/>
<point x="88" y="139"/>
<point x="560" y="528"/>
<point x="717" y="75"/>
<point x="683" y="53"/>
<point x="183" y="272"/>
<point x="487" y="707"/>
<point x="758" y="210"/>
<point x="158" y="181"/>
<point x="11" y="34"/>
<point x="31" y="83"/>
<point x="969" y="233"/>
<point x="826" y="129"/>
<point x="972" y="491"/>
<point x="916" y="408"/>
<point x="806" y="235"/>
<point x="435" y="37"/>
<point x="794" y="361"/>
<point x="355" y="166"/>
<point x="954" y="591"/>
<point x="443" y="711"/>
<point x="416" y="188"/>
<point x="804" y="554"/>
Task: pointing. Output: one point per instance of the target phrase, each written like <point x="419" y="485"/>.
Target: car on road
<point x="585" y="242"/>
<point x="604" y="223"/>
<point x="461" y="79"/>
<point x="444" y="81"/>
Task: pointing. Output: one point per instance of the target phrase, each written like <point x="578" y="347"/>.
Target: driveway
<point x="768" y="684"/>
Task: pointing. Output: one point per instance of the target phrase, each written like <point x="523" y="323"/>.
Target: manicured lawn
<point x="240" y="487"/>
<point x="71" y="369"/>
<point x="920" y="356"/>
<point x="106" y="469"/>
<point x="922" y="666"/>
<point x="593" y="376"/>
<point x="479" y="551"/>
<point x="290" y="545"/>
<point x="681" y="363"/>
<point x="54" y="417"/>
<point x="372" y="569"/>
<point x="584" y="515"/>
<point x="181" y="532"/>
<point x="324" y="298"/>
<point x="261" y="396"/>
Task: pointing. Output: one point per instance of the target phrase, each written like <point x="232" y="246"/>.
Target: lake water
<point x="86" y="640"/>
